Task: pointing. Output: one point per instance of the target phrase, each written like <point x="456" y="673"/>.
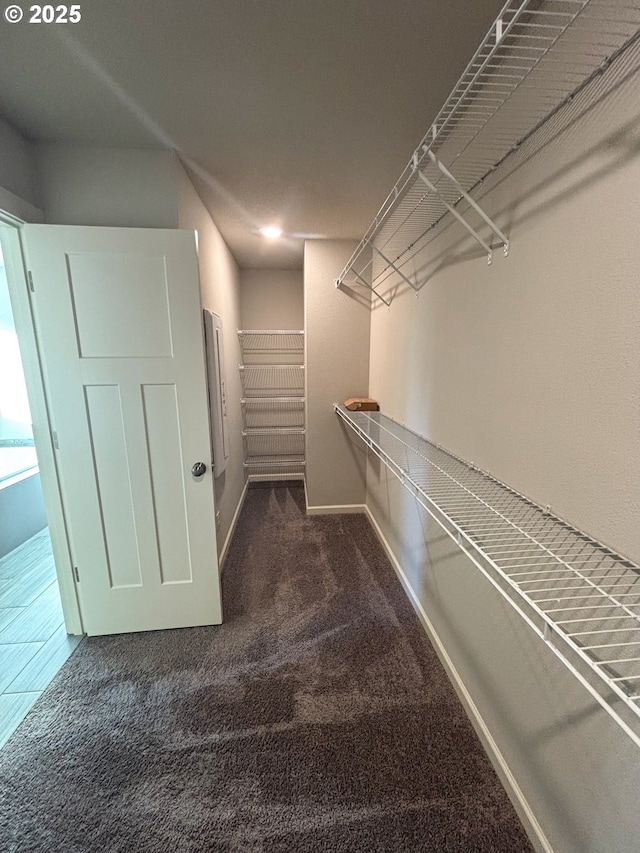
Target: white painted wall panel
<point x="166" y="469"/>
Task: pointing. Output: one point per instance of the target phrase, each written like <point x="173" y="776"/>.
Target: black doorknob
<point x="198" y="469"/>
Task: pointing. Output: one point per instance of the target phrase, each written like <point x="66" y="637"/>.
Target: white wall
<point x="531" y="369"/>
<point x="272" y="299"/>
<point x="125" y="187"/>
<point x="337" y="366"/>
<point x="220" y="289"/>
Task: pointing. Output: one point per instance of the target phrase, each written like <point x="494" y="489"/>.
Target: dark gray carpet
<point x="317" y="718"/>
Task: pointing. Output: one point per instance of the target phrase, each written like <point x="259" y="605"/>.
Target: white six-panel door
<point x="120" y="333"/>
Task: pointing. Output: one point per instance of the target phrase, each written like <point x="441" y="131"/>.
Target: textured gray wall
<point x="17" y="168"/>
<point x="531" y="369"/>
<point x="122" y="187"/>
<point x="220" y="290"/>
<point x="272" y="299"/>
<point x="337" y="347"/>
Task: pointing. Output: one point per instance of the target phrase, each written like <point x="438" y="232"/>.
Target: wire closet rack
<point x="579" y="596"/>
<point x="536" y="57"/>
<point x="268" y="341"/>
<point x="272" y="380"/>
<point x="273" y="401"/>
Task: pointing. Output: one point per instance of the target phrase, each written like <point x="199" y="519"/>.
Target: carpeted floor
<point x="317" y="718"/>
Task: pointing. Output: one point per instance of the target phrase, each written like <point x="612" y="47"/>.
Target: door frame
<point x="20" y="296"/>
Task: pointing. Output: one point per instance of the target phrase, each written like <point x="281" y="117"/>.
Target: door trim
<point x="42" y="429"/>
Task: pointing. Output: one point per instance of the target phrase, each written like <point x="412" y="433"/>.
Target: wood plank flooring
<point x="33" y="640"/>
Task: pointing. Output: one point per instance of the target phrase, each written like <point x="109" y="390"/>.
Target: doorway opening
<point x="33" y="639"/>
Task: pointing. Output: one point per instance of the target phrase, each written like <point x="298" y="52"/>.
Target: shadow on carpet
<point x="317" y="718"/>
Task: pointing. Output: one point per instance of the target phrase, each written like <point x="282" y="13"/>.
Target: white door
<point x="120" y="333"/>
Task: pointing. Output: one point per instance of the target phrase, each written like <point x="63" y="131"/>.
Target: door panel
<point x="163" y="443"/>
<point x="113" y="478"/>
<point x="100" y="284"/>
<point x="118" y="321"/>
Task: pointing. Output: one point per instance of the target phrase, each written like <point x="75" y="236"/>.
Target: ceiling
<point x="300" y="112"/>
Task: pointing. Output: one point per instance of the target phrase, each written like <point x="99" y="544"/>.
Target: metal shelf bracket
<point x="457" y="216"/>
<point x="393" y="266"/>
<point x="360" y="280"/>
<point x="470" y="201"/>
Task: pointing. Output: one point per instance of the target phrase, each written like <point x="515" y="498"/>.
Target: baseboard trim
<point x="232" y="527"/>
<point x="514" y="792"/>
<point x="348" y="509"/>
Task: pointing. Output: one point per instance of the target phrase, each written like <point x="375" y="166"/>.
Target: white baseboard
<point x="232" y="527"/>
<point x="349" y="509"/>
<point x="523" y="810"/>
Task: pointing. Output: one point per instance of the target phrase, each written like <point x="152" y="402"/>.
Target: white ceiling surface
<point x="301" y="112"/>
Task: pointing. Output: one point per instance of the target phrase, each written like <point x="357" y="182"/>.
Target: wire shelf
<point x="581" y="597"/>
<point x="269" y="443"/>
<point x="537" y="55"/>
<point x="283" y="464"/>
<point x="272" y="380"/>
<point x="273" y="412"/>
<point x="273" y="403"/>
<point x="259" y="341"/>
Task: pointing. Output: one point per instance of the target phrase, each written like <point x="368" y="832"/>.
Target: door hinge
<point x="54" y="436"/>
<point x="76" y="573"/>
<point x="30" y="277"/>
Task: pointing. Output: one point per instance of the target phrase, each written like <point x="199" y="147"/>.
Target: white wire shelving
<point x="273" y="412"/>
<point x="576" y="594"/>
<point x="272" y="380"/>
<point x="536" y="57"/>
<point x="273" y="403"/>
<point x="270" y="340"/>
<point x="272" y="448"/>
<point x="275" y="445"/>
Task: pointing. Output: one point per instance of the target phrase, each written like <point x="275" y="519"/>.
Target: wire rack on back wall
<point x="273" y="402"/>
<point x="536" y="57"/>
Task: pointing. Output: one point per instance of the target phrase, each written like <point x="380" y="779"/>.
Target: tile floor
<point x="33" y="641"/>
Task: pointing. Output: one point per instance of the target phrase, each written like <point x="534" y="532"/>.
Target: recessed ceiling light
<point x="271" y="232"/>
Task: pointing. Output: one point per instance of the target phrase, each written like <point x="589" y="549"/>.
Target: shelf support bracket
<point x="339" y="282"/>
<point x="371" y="288"/>
<point x="458" y="216"/>
<point x="393" y="266"/>
<point x="471" y="202"/>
